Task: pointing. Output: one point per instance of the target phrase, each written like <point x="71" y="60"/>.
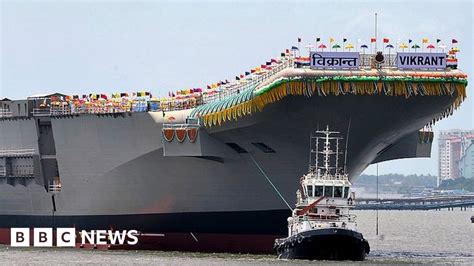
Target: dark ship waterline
<point x="180" y="170"/>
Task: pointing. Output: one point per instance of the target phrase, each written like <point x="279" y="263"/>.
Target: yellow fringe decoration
<point x="301" y="88"/>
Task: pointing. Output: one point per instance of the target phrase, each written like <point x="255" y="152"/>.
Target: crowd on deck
<point x="58" y="104"/>
<point x="177" y="100"/>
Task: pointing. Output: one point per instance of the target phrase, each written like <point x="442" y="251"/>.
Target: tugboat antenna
<point x="310" y="151"/>
<point x="326" y="151"/>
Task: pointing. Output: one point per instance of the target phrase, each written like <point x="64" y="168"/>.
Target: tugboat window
<point x="328" y="191"/>
<point x="310" y="191"/>
<point x="318" y="191"/>
<point x="346" y="192"/>
<point x="337" y="192"/>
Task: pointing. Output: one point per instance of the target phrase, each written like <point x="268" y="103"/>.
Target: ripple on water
<point x="406" y="237"/>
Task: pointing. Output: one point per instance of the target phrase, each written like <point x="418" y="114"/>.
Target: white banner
<point x="334" y="60"/>
<point x="421" y="60"/>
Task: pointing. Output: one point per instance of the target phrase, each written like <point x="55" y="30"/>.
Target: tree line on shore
<point x="404" y="184"/>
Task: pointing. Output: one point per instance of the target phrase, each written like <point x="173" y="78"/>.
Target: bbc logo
<point x="66" y="237"/>
<point x="42" y="237"/>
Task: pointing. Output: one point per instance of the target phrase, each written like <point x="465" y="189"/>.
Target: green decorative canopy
<point x="253" y="99"/>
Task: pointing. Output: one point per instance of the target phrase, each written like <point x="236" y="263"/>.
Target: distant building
<point x="466" y="163"/>
<point x="452" y="147"/>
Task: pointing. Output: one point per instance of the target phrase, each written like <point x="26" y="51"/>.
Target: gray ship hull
<point x="114" y="173"/>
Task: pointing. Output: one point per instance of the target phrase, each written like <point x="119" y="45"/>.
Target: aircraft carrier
<point x="190" y="176"/>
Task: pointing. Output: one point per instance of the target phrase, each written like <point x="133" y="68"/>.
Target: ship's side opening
<point x="263" y="147"/>
<point x="236" y="147"/>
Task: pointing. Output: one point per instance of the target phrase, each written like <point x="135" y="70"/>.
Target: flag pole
<point x="377" y="200"/>
<point x="299" y="40"/>
<point x="376" y="39"/>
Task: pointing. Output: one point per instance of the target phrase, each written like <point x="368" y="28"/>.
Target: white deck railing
<point x="54" y="187"/>
<point x="16" y="172"/>
<point x="51" y="111"/>
<point x="235" y="88"/>
<point x="190" y="123"/>
<point x="22" y="173"/>
<point x="180" y="126"/>
<point x="3" y="171"/>
<point x="17" y="153"/>
<point x="4" y="113"/>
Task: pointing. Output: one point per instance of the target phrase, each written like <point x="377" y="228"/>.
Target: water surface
<point x="405" y="237"/>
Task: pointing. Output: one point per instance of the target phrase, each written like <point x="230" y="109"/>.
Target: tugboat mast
<point x="326" y="152"/>
<point x="330" y="143"/>
<point x="321" y="225"/>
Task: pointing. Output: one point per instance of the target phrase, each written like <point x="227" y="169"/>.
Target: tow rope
<point x="269" y="181"/>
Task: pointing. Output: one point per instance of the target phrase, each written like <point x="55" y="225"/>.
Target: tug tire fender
<point x="300" y="239"/>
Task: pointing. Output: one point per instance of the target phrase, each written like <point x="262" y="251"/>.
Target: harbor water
<point x="405" y="237"/>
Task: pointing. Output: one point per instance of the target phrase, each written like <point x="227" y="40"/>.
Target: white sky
<point x="79" y="47"/>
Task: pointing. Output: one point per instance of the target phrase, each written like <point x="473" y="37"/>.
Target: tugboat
<point x="321" y="226"/>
